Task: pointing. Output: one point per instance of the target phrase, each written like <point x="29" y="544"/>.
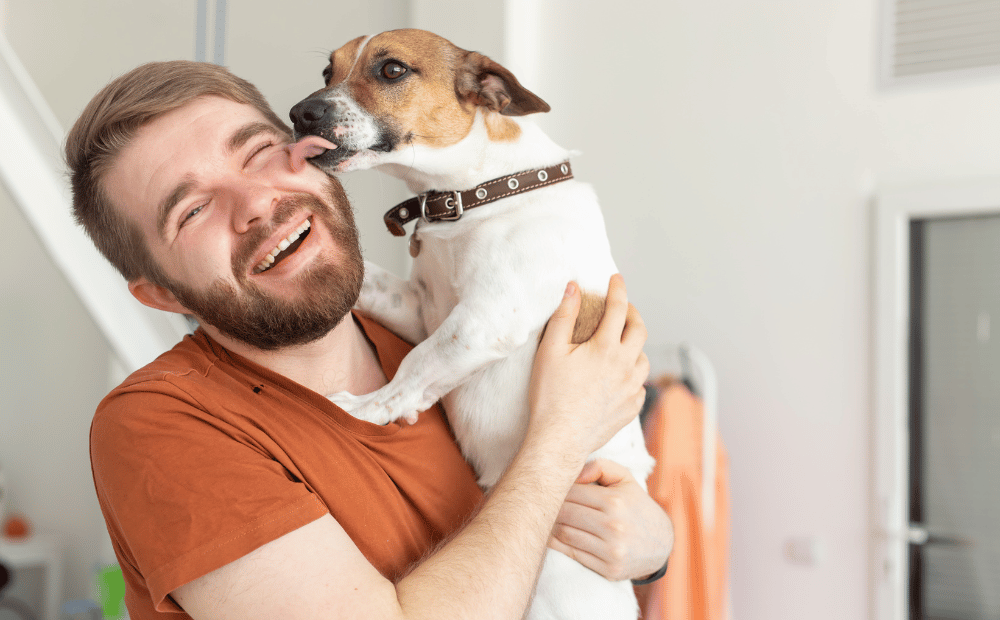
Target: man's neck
<point x="342" y="360"/>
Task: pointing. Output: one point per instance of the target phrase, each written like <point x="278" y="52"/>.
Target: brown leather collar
<point x="436" y="206"/>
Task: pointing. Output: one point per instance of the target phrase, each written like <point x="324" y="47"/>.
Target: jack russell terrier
<point x="502" y="227"/>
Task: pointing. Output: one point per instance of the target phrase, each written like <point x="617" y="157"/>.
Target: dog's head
<point x="406" y="87"/>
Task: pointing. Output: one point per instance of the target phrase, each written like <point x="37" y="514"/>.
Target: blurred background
<point x="739" y="150"/>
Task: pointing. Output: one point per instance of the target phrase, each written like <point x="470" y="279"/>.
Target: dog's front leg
<point x="468" y="339"/>
<point x="393" y="302"/>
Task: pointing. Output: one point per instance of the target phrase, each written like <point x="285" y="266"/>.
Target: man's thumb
<point x="602" y="471"/>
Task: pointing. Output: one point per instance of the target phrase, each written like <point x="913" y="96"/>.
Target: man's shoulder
<point x="191" y="358"/>
<point x="183" y="373"/>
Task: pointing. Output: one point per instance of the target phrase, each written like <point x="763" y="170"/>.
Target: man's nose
<point x="254" y="205"/>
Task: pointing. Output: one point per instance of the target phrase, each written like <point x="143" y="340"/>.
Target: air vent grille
<point x="931" y="37"/>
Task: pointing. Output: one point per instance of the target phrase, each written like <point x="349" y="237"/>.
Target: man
<point x="231" y="487"/>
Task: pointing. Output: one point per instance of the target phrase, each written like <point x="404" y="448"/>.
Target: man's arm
<point x="580" y="396"/>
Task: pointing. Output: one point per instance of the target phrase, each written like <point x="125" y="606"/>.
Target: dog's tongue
<point x="309" y="146"/>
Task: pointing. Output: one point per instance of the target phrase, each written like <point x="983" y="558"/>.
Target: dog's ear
<point x="486" y="83"/>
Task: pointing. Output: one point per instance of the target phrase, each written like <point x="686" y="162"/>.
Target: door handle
<point x="918" y="534"/>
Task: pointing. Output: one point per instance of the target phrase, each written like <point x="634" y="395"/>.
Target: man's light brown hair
<point x="109" y="123"/>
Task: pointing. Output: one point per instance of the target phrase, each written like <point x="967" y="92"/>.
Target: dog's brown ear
<point x="486" y="83"/>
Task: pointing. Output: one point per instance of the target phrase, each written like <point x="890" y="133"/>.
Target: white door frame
<point x="894" y="211"/>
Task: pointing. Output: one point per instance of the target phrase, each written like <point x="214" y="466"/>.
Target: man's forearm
<point x="489" y="569"/>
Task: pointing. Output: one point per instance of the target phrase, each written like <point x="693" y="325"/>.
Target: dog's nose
<point x="307" y="114"/>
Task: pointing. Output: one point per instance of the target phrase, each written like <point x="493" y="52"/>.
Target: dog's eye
<point x="393" y="70"/>
<point x="327" y="74"/>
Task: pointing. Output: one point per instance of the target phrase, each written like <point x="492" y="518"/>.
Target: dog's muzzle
<point x="334" y="116"/>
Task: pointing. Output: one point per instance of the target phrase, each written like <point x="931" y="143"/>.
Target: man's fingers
<point x="634" y="332"/>
<point x="583" y="506"/>
<point x="581" y="540"/>
<point x="615" y="312"/>
<point x="582" y="512"/>
<point x="642" y="368"/>
<point x="590" y="551"/>
<point x="559" y="329"/>
<point x="587" y="559"/>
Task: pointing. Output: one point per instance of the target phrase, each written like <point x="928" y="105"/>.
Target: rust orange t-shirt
<point x="203" y="456"/>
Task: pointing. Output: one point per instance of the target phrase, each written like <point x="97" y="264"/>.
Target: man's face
<point x="215" y="191"/>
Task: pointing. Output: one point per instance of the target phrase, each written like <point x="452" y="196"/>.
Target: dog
<point x="493" y="250"/>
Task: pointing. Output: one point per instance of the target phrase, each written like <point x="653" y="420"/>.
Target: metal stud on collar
<point x="512" y="183"/>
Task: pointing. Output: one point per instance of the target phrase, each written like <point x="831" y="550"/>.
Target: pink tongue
<point x="309" y="146"/>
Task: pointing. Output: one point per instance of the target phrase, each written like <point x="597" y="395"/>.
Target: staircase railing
<point x="32" y="170"/>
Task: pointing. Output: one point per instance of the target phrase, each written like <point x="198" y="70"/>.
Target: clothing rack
<point x="696" y="371"/>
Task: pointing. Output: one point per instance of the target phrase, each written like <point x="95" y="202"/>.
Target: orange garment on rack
<point x="695" y="585"/>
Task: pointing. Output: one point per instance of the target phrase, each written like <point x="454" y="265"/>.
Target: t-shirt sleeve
<point x="184" y="492"/>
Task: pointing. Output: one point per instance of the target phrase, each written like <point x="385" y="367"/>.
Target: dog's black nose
<point x="307" y="114"/>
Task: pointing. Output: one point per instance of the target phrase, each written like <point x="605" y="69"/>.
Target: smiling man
<point x="231" y="487"/>
<point x="293" y="258"/>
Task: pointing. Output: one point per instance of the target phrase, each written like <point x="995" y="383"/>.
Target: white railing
<point x="32" y="170"/>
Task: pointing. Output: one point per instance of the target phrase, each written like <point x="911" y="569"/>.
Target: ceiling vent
<point x="932" y="38"/>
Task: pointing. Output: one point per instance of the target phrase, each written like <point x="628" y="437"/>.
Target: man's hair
<point x="109" y="124"/>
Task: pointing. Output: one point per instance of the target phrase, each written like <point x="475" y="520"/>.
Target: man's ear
<point x="155" y="296"/>
<point x="486" y="83"/>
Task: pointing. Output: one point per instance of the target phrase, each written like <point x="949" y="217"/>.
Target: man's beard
<point x="328" y="289"/>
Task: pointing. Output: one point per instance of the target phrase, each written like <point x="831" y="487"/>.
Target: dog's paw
<point x="345" y="400"/>
<point x="362" y="407"/>
<point x="375" y="408"/>
<point x="408" y="406"/>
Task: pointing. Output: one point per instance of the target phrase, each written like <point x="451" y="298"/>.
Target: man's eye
<point x="192" y="213"/>
<point x="257" y="150"/>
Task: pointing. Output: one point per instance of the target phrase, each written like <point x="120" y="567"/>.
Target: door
<point x="954" y="505"/>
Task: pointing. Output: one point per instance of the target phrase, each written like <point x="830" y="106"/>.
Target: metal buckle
<point x="453" y="202"/>
<point x="423" y="206"/>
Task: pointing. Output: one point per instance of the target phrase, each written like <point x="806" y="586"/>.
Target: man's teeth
<point x="268" y="261"/>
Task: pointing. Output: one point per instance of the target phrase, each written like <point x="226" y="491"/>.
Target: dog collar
<point x="435" y="206"/>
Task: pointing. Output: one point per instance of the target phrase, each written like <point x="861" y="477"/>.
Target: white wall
<point x="477" y="25"/>
<point x="735" y="146"/>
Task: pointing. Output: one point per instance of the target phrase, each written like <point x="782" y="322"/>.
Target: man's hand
<point x="611" y="525"/>
<point x="582" y="394"/>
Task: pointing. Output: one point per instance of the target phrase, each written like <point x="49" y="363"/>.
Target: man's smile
<point x="284" y="248"/>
